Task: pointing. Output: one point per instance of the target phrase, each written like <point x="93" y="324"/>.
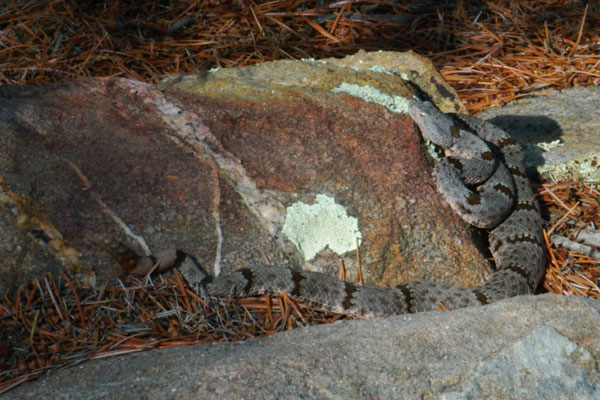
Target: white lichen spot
<point x="584" y="168"/>
<point x="551" y="145"/>
<point x="431" y="148"/>
<point x="397" y="104"/>
<point x="538" y="149"/>
<point x="313" y="227"/>
<point x="381" y="70"/>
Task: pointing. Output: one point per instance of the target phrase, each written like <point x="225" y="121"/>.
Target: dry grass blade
<point x="580" y="33"/>
<point x="342" y="271"/>
<point x="188" y="304"/>
<point x="134" y="315"/>
<point x="570" y="273"/>
<point x="359" y="275"/>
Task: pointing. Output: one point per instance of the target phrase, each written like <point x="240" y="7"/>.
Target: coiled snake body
<point x="482" y="177"/>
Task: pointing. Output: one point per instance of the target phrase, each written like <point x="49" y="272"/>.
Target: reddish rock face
<point x="211" y="167"/>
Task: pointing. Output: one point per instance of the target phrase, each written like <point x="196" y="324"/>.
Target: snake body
<point x="483" y="179"/>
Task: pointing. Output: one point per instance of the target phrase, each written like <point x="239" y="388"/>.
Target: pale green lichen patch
<point x="585" y="168"/>
<point x="324" y="224"/>
<point x="397" y="104"/>
<point x="551" y="145"/>
<point x="431" y="148"/>
<point x="381" y="70"/>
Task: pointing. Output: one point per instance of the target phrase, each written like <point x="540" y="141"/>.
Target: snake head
<point x="436" y="126"/>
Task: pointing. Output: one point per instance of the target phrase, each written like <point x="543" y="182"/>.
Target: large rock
<point x="217" y="163"/>
<point x="543" y="347"/>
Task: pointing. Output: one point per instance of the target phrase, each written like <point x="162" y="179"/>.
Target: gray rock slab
<point x="560" y="131"/>
<point x="543" y="347"/>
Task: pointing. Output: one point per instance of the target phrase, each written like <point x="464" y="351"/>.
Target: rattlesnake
<point x="482" y="177"/>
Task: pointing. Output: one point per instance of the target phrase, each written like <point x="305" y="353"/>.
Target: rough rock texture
<point x="210" y="163"/>
<point x="543" y="347"/>
<point x="562" y="129"/>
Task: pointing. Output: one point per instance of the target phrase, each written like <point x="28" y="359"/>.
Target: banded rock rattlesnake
<point x="482" y="177"/>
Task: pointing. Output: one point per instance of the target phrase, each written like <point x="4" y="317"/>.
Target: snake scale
<point x="482" y="177"/>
